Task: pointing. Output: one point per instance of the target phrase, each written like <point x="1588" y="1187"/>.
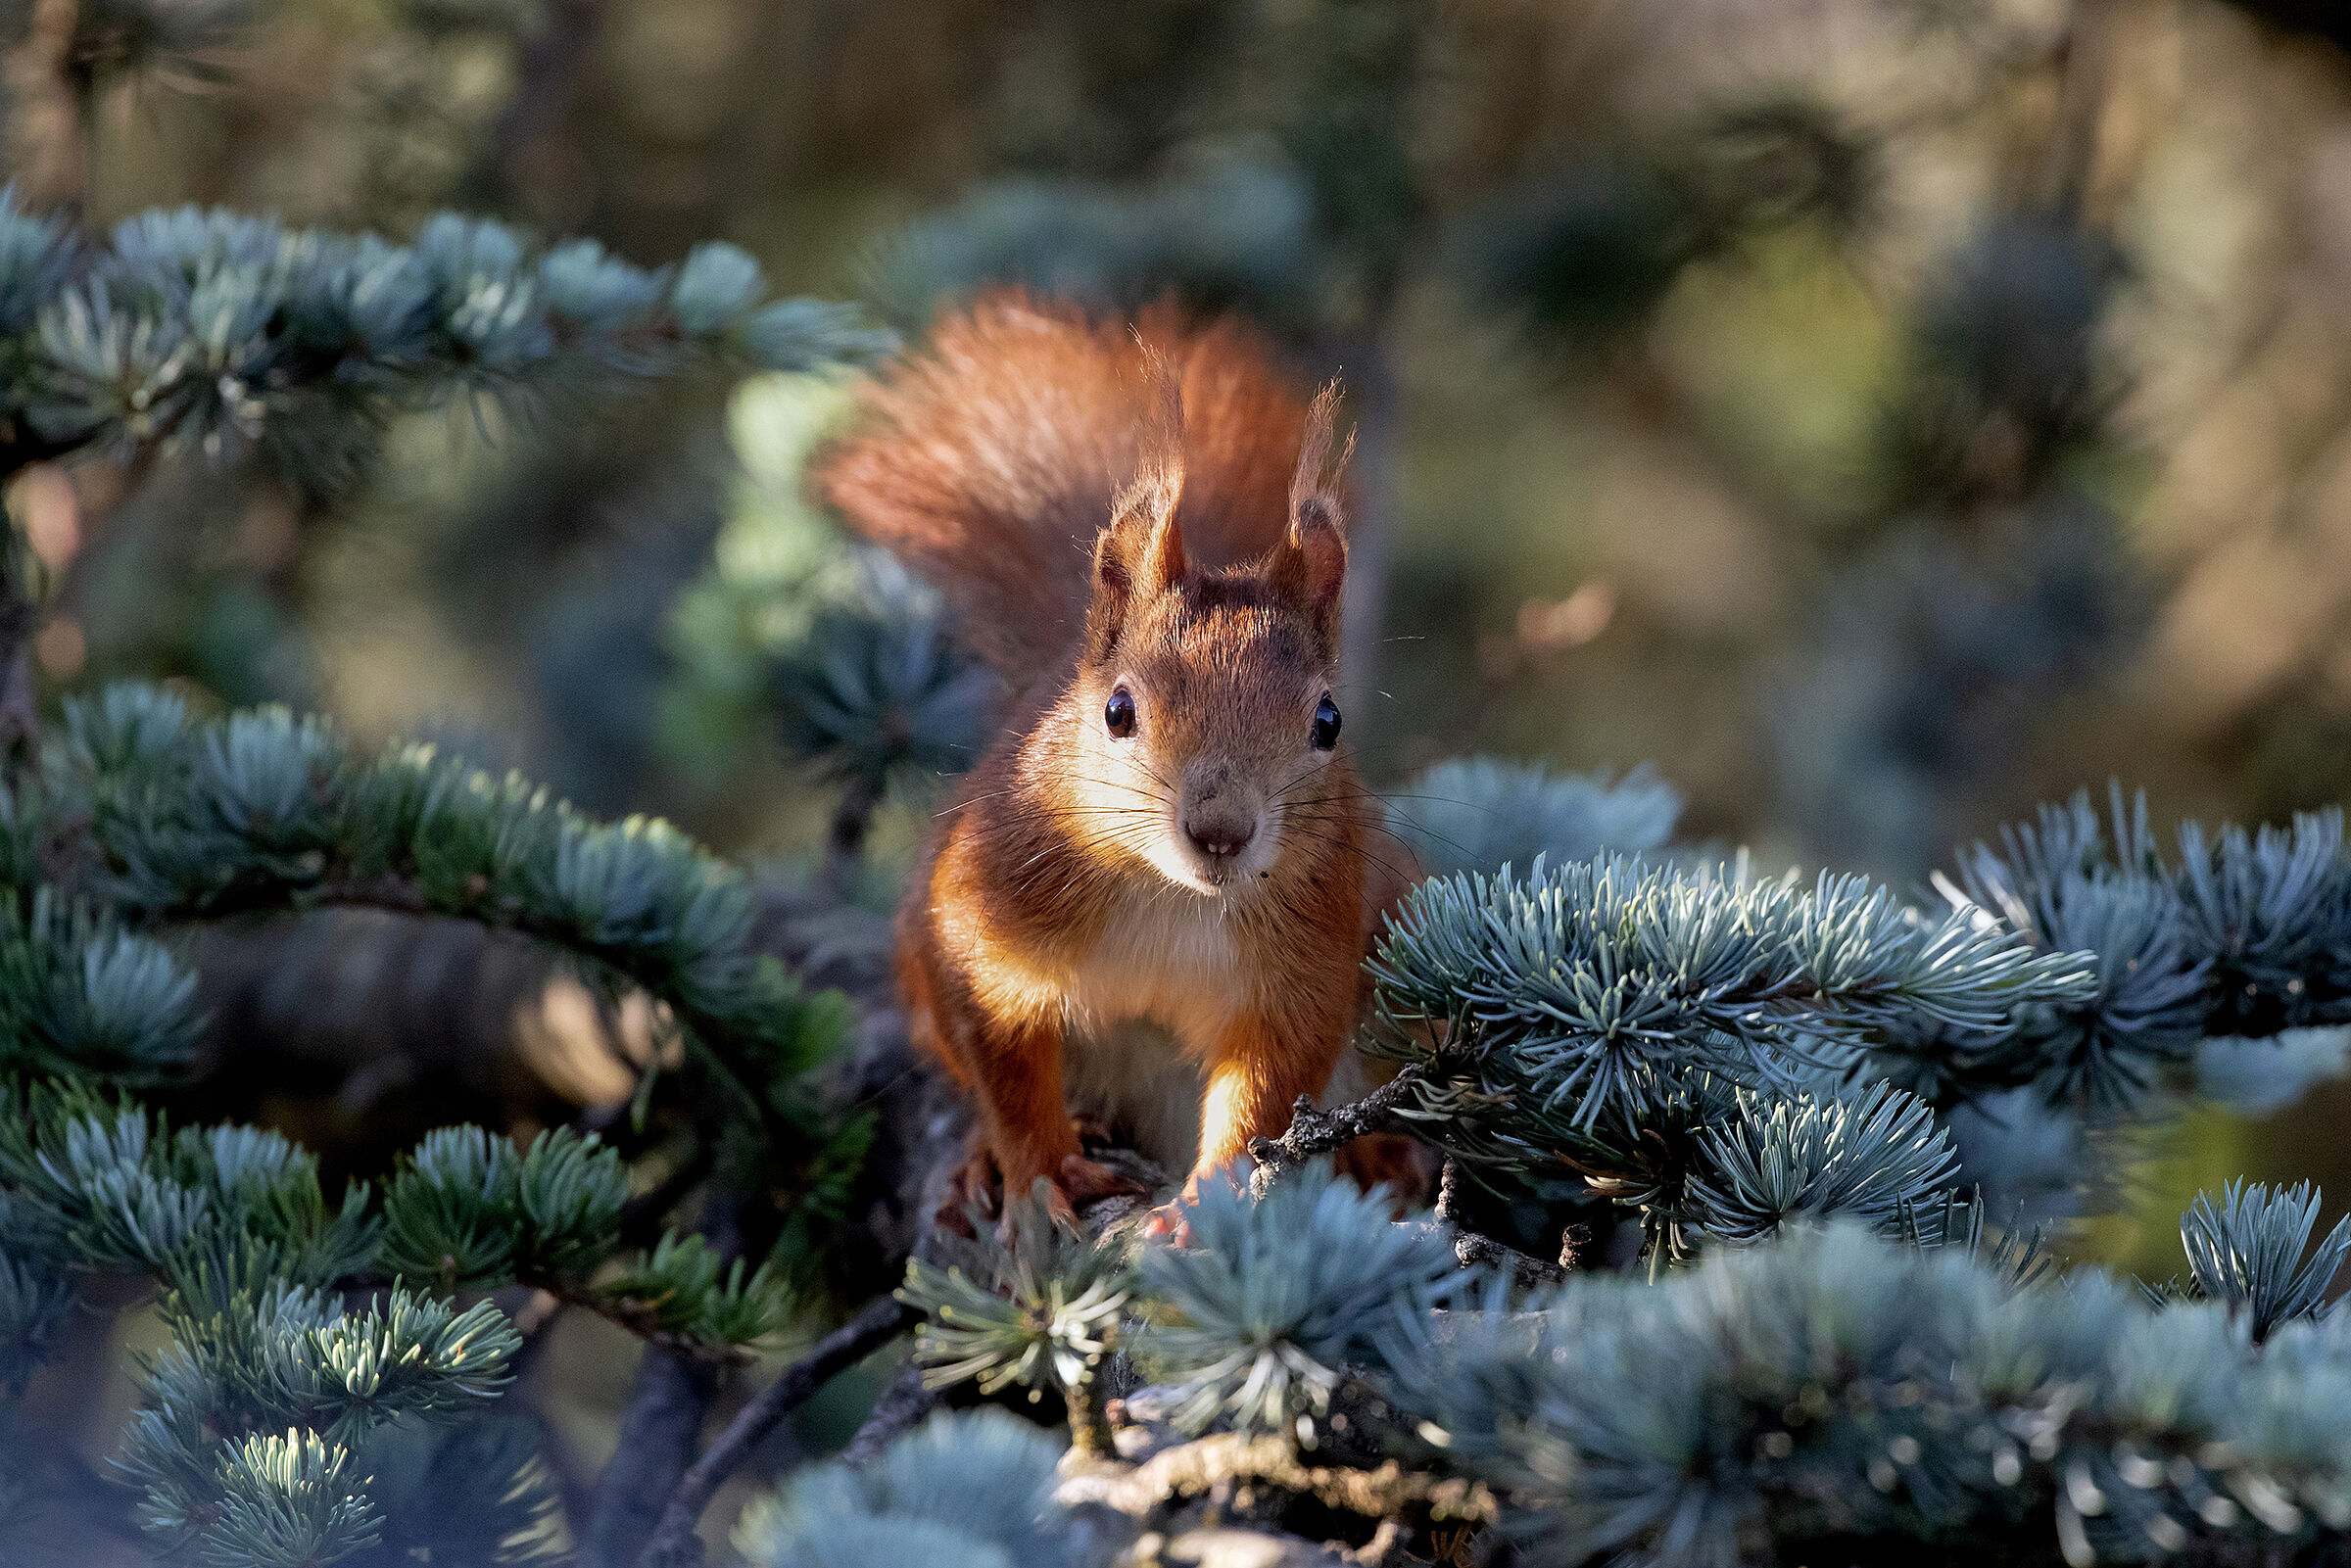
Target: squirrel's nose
<point x="1220" y="841"/>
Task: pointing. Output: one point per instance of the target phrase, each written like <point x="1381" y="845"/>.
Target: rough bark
<point x="1312" y="1133"/>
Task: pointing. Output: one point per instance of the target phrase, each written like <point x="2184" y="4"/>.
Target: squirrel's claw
<point x="972" y="1192"/>
<point x="1080" y="1183"/>
<point x="1057" y="1204"/>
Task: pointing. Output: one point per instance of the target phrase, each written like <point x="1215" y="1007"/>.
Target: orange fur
<point x="1141" y="516"/>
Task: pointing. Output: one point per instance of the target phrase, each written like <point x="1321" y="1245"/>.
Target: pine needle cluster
<point x="214" y="331"/>
<point x="327" y="1358"/>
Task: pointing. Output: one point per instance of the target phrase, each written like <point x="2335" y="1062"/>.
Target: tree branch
<point x="899" y="1410"/>
<point x="1202" y="1466"/>
<point x="400" y="894"/>
<point x="1312" y="1133"/>
<point x="663" y="1427"/>
<point x="674" y="1544"/>
<point x="1476" y="1249"/>
<point x="664" y="1419"/>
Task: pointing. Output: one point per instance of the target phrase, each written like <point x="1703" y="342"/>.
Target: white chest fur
<point x="1171" y="957"/>
<point x="1144" y="1011"/>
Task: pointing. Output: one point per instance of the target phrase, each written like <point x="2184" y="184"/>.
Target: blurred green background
<point x="1879" y="415"/>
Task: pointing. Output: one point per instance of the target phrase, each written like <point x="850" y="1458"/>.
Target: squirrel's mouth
<point x="1219" y="861"/>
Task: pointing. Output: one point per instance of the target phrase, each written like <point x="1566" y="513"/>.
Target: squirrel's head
<point x="1204" y="697"/>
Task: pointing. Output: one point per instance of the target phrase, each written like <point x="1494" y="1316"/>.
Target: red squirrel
<point x="1141" y="528"/>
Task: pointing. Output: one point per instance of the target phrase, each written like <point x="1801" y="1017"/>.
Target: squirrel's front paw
<point x="1172" y="1222"/>
<point x="1080" y="1183"/>
<point x="973" y="1192"/>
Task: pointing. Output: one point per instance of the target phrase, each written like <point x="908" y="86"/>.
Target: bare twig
<point x="1312" y="1133"/>
<point x="674" y="1544"/>
<point x="1089" y="1405"/>
<point x="1476" y="1249"/>
<point x="1199" y="1468"/>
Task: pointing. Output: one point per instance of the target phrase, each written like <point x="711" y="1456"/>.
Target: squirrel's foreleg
<point x="1017" y="1076"/>
<point x="1261" y="1068"/>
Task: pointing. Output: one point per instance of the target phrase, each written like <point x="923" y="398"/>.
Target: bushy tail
<point x="990" y="462"/>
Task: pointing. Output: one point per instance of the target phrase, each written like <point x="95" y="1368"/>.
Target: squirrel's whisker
<point x="1384" y="863"/>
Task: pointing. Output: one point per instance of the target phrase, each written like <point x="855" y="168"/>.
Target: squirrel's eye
<point x="1325" y="733"/>
<point x="1118" y="713"/>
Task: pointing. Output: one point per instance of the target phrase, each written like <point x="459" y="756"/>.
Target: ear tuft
<point x="1317" y="476"/>
<point x="1143" y="529"/>
<point x="1161" y="565"/>
<point x="1159" y="484"/>
<point x="1137" y="558"/>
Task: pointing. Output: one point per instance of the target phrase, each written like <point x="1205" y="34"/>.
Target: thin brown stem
<point x="1089" y="1420"/>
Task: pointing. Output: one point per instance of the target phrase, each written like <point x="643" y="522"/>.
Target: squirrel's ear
<point x="1158" y="550"/>
<point x="1310" y="566"/>
<point x="1139" y="555"/>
